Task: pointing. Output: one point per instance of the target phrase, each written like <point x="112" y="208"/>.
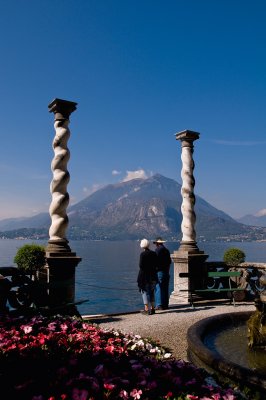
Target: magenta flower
<point x="109" y="386"/>
<point x="85" y="362"/>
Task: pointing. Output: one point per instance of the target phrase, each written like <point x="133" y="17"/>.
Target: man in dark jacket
<point x="162" y="287"/>
<point x="147" y="276"/>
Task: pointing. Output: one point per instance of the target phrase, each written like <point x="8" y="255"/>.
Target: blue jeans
<point x="162" y="290"/>
<point x="148" y="293"/>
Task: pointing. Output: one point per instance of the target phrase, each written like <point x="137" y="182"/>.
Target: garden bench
<point x="215" y="274"/>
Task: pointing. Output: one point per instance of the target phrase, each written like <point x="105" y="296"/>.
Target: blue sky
<point x="140" y="71"/>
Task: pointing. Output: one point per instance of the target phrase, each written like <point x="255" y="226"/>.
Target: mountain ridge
<point x="253" y="220"/>
<point x="138" y="208"/>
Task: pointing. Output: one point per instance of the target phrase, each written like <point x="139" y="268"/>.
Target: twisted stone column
<point x="59" y="274"/>
<point x="58" y="188"/>
<point x="188" y="260"/>
<point x="187" y="191"/>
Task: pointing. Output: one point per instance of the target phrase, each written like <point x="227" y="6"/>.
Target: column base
<point x="59" y="278"/>
<point x="57" y="248"/>
<point x="191" y="262"/>
<point x="189" y="247"/>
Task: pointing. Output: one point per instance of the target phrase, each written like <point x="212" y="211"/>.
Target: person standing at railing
<point x="147" y="276"/>
<point x="163" y="268"/>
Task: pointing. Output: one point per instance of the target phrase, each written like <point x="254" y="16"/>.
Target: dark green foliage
<point x="234" y="256"/>
<point x="30" y="257"/>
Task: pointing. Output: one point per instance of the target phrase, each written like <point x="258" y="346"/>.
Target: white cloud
<point x="261" y="213"/>
<point x="139" y="173"/>
<point x="92" y="189"/>
<point x="115" y="172"/>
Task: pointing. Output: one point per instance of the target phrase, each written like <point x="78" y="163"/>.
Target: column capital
<point x="186" y="135"/>
<point x="62" y="108"/>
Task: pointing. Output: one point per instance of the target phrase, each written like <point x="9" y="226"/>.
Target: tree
<point x="30" y="258"/>
<point x="234" y="256"/>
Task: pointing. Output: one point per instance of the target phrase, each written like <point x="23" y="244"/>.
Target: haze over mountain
<point x="259" y="219"/>
<point x="135" y="209"/>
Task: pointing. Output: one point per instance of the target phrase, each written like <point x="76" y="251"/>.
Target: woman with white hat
<point x="147" y="276"/>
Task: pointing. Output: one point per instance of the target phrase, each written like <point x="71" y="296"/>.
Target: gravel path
<point x="168" y="326"/>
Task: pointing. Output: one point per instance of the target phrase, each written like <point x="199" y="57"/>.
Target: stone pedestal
<point x="61" y="280"/>
<point x="192" y="264"/>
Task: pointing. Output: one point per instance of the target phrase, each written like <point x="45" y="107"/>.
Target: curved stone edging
<point x="201" y="355"/>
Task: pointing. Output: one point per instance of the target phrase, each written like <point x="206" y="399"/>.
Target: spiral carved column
<point x="61" y="261"/>
<point x="187" y="191"/>
<point x="58" y="187"/>
<point x="188" y="259"/>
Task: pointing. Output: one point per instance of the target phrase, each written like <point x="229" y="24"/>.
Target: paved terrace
<point x="168" y="326"/>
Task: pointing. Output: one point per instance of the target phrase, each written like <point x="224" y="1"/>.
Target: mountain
<point x="37" y="221"/>
<point x="139" y="208"/>
<point x="258" y="219"/>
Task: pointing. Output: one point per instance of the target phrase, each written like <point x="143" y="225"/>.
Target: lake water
<point x="107" y="274"/>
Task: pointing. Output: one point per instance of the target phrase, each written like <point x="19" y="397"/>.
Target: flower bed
<point x="61" y="358"/>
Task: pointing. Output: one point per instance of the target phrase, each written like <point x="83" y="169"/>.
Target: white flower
<point x="27" y="328"/>
<point x="148" y="346"/>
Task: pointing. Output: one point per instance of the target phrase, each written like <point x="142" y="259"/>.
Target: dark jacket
<point x="164" y="259"/>
<point x="147" y="268"/>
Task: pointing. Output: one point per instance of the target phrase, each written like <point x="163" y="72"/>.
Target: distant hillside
<point x="253" y="220"/>
<point x="138" y="208"/>
<point x="38" y="221"/>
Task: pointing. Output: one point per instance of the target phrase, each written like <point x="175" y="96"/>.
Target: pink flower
<point x="109" y="386"/>
<point x="191" y="397"/>
<point x="216" y="396"/>
<point x="52" y="327"/>
<point x="110" y="349"/>
<point x="64" y="327"/>
<point x="229" y="396"/>
<point x="136" y="393"/>
<point x="123" y="394"/>
<point x="26" y="328"/>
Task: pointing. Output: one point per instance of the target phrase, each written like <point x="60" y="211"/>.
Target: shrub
<point x="30" y="258"/>
<point x="234" y="256"/>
